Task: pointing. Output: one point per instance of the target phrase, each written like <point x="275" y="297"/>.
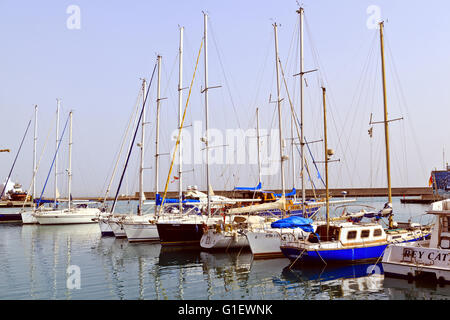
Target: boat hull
<point x="83" y="216"/>
<point x="414" y="261"/>
<point x="174" y="234"/>
<point x="343" y="255"/>
<point x="212" y="240"/>
<point x="117" y="229"/>
<point x="105" y="228"/>
<point x="137" y="232"/>
<point x="10" y="217"/>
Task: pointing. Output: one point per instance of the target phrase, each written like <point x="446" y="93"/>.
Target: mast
<point x="386" y="122"/>
<point x="302" y="144"/>
<point x="141" y="168"/>
<point x="326" y="156"/>
<point x="180" y="119"/>
<point x="69" y="171"/>
<point x="280" y="124"/>
<point x="34" y="151"/>
<point x="58" y="104"/>
<point x="158" y="104"/>
<point x="205" y="24"/>
<point x="258" y="140"/>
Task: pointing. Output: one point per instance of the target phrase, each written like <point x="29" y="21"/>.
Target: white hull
<point x="413" y="260"/>
<point x="266" y="243"/>
<point x="117" y="229"/>
<point x="105" y="228"/>
<point x="225" y="240"/>
<point x="141" y="231"/>
<point x="28" y="218"/>
<point x="75" y="216"/>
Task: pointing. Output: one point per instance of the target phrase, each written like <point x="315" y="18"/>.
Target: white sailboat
<point x="142" y="227"/>
<point x="78" y="214"/>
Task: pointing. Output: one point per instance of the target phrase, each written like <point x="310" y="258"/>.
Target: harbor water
<point x="74" y="262"/>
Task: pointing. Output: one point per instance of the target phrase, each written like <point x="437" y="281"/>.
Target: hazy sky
<point x="94" y="64"/>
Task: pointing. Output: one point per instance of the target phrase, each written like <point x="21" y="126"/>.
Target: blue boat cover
<point x="294" y="222"/>
<point x="258" y="187"/>
<point x="292" y="193"/>
<point x="159" y="200"/>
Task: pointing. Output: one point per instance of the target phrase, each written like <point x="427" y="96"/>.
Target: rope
<point x="179" y="131"/>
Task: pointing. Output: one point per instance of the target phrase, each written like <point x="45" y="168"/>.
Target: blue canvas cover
<point x="258" y="187"/>
<point x="294" y="222"/>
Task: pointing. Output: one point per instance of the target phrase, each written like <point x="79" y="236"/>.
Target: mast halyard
<point x="300" y="12"/>
<point x="58" y="104"/>
<point x="158" y="105"/>
<point x="326" y="156"/>
<point x="142" y="145"/>
<point x="69" y="171"/>
<point x="34" y="153"/>
<point x="205" y="23"/>
<point x="258" y="141"/>
<point x="180" y="119"/>
<point x="280" y="124"/>
<point x="386" y="122"/>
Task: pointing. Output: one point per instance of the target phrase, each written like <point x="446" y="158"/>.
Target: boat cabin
<point x="440" y="234"/>
<point x="349" y="233"/>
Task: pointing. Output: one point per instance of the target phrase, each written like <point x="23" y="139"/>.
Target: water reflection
<point x="335" y="281"/>
<point x="34" y="261"/>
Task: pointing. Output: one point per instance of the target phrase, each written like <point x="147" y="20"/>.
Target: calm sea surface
<point x="37" y="262"/>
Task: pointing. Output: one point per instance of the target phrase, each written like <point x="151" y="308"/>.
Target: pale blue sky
<point x="95" y="71"/>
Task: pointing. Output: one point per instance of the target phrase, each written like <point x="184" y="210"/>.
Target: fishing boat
<point x="423" y="259"/>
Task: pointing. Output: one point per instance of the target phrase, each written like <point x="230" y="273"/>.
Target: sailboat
<point x="73" y="214"/>
<point x="115" y="221"/>
<point x="142" y="227"/>
<point x="346" y="239"/>
<point x="186" y="227"/>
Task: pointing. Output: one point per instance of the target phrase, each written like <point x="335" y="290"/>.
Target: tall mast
<point x="180" y="119"/>
<point x="34" y="151"/>
<point x="326" y="156"/>
<point x="258" y="140"/>
<point x="58" y="104"/>
<point x="386" y="122"/>
<point x="205" y="24"/>
<point x="302" y="144"/>
<point x="69" y="171"/>
<point x="158" y="104"/>
<point x="280" y="124"/>
<point x="141" y="168"/>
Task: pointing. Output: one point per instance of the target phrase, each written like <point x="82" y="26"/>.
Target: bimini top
<point x="294" y="222"/>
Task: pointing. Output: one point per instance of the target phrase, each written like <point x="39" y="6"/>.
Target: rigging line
<point x="15" y="159"/>
<point x="133" y="116"/>
<point x="260" y="73"/>
<point x="124" y="138"/>
<point x="132" y="143"/>
<point x="37" y="168"/>
<point x="53" y="162"/>
<point x="179" y="130"/>
<point x="225" y="76"/>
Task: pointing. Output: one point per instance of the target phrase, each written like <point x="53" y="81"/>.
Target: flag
<point x="430" y="181"/>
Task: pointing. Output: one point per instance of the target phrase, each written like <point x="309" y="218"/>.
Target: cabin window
<point x="351" y="235"/>
<point x="446" y="224"/>
<point x="377" y="232"/>
<point x="365" y="233"/>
